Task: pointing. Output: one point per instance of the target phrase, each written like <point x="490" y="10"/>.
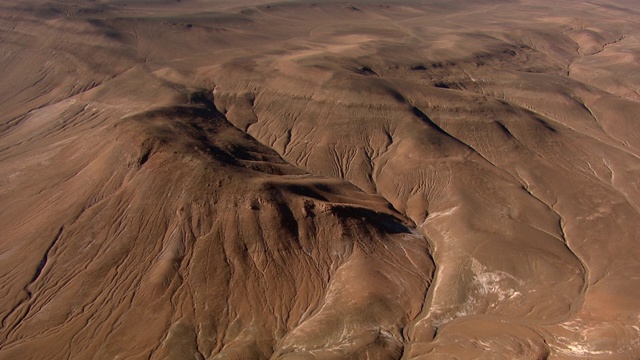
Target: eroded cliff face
<point x="319" y="180"/>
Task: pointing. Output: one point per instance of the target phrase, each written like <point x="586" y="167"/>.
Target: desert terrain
<point x="259" y="179"/>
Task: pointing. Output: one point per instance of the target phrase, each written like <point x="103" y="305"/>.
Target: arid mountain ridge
<point x="313" y="180"/>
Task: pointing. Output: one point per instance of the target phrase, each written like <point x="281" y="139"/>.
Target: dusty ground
<point x="319" y="180"/>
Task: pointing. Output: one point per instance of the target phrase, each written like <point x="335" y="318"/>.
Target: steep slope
<point x="179" y="235"/>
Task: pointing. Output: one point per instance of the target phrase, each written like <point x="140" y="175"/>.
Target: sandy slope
<point x="301" y="180"/>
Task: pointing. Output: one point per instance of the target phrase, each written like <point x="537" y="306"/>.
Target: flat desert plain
<point x="301" y="179"/>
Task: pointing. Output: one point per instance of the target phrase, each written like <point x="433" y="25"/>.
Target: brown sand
<point x="319" y="180"/>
